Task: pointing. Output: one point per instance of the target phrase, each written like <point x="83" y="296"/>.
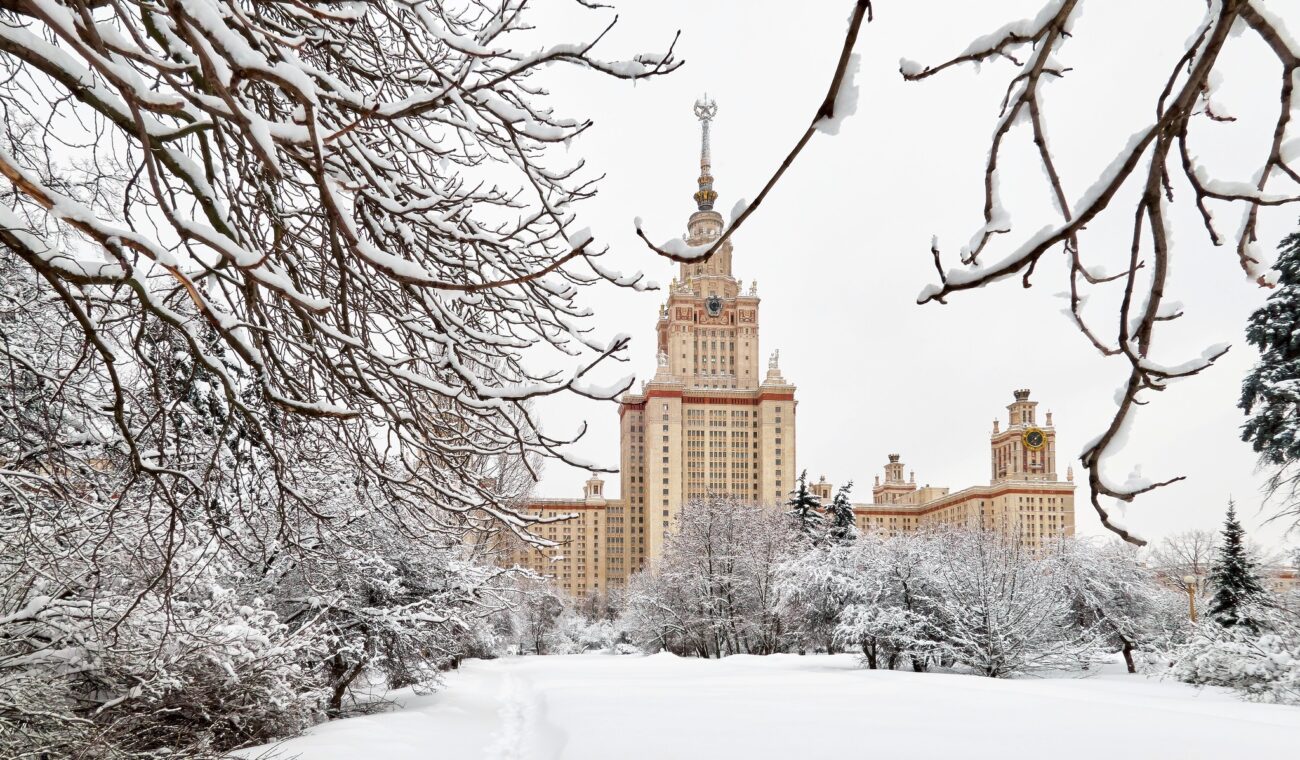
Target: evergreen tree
<point x="841" y="514"/>
<point x="805" y="509"/>
<point x="1270" y="394"/>
<point x="1236" y="585"/>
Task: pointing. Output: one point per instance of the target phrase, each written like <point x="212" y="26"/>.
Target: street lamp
<point x="1189" y="582"/>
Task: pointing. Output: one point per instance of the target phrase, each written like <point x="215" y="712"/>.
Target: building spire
<point x="705" y="110"/>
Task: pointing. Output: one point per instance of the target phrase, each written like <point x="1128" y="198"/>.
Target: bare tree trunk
<point x="869" y="651"/>
<point x="1128" y="656"/>
<point x="342" y="678"/>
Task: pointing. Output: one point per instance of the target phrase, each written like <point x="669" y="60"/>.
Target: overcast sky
<point x="840" y="249"/>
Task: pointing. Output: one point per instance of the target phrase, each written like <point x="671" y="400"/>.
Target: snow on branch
<point x="1151" y="157"/>
<point x="840" y="102"/>
<point x="354" y="219"/>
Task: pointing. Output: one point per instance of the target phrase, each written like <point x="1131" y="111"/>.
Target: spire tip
<point x="705" y="110"/>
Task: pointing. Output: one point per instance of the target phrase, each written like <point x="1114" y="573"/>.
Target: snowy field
<point x="600" y="707"/>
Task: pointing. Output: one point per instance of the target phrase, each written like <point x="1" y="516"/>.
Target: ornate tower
<point x="895" y="489"/>
<point x="1024" y="450"/>
<point x="708" y="329"/>
<point x="706" y="423"/>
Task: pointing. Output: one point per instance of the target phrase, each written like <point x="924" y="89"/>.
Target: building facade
<point x="1024" y="497"/>
<point x="708" y="423"/>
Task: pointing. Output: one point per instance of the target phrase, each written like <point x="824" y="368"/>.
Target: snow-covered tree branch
<point x="350" y="213"/>
<point x="279" y="283"/>
<point x="1158" y="164"/>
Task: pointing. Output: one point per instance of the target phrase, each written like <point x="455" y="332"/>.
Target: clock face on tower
<point x="1034" y="439"/>
<point x="714" y="305"/>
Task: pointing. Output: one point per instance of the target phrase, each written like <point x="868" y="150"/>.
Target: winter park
<point x="384" y="379"/>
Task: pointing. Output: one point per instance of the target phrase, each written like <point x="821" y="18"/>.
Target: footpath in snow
<point x="786" y="707"/>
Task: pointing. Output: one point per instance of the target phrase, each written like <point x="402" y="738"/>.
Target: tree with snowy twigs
<point x="815" y="587"/>
<point x="1115" y="595"/>
<point x="885" y="617"/>
<point x="268" y="277"/>
<point x="999" y="610"/>
<point x="1189" y="552"/>
<point x="1234" y="579"/>
<point x="1158" y="166"/>
<point x="715" y="590"/>
<point x="1270" y="394"/>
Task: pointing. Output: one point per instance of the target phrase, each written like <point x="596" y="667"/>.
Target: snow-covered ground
<point x="600" y="707"/>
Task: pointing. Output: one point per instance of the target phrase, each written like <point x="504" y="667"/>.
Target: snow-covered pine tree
<point x="1270" y="394"/>
<point x="805" y="509"/>
<point x="1236" y="585"/>
<point x="843" y="526"/>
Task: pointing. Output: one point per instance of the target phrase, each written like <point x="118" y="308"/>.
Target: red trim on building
<point x="953" y="499"/>
<point x="563" y="506"/>
<point x="706" y="400"/>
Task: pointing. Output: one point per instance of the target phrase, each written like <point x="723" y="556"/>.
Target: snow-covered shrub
<point x="999" y="609"/>
<point x="1118" y="598"/>
<point x="1263" y="665"/>
<point x="863" y="595"/>
<point x="815" y="587"/>
<point x="592" y="635"/>
<point x="191" y="671"/>
<point x="714" y="592"/>
<point x="888" y="634"/>
<point x="382" y="605"/>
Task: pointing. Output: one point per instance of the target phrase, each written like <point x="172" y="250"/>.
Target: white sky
<point x="841" y="248"/>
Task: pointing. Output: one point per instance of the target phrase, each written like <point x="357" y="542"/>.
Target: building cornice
<point x="565" y="505"/>
<point x="1025" y="488"/>
<point x="719" y="396"/>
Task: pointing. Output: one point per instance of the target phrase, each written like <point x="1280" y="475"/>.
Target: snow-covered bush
<point x="714" y="592"/>
<point x="198" y="668"/>
<point x="998" y="609"/>
<point x="888" y="634"/>
<point x="1117" y="597"/>
<point x="863" y="595"/>
<point x="1263" y="665"/>
<point x="816" y="586"/>
<point x="592" y="635"/>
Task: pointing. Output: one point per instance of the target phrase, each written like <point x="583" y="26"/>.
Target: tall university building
<point x="707" y="423"/>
